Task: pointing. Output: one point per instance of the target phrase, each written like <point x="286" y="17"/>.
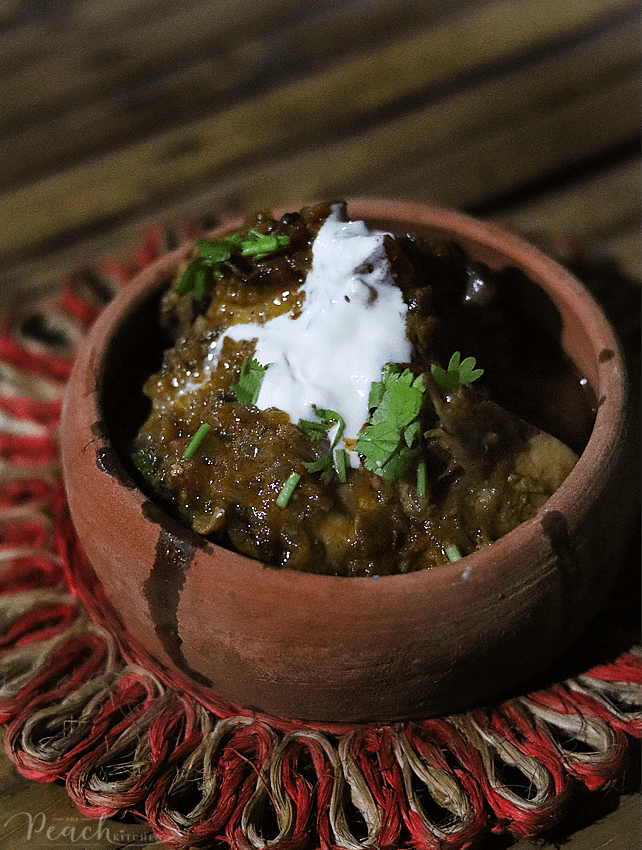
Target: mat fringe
<point x="125" y="743"/>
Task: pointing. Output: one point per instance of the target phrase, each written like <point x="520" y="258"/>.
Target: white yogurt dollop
<point x="352" y="323"/>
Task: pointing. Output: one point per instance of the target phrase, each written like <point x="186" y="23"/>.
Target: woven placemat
<point x="126" y="743"/>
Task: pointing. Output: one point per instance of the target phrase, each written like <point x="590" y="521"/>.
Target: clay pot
<point x="330" y="649"/>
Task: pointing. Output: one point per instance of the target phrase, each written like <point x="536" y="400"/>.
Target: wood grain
<point x="499" y="128"/>
<point x="117" y="112"/>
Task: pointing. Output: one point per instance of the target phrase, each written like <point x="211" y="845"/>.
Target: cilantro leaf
<point x="401" y="401"/>
<point x="324" y="465"/>
<point x="378" y="388"/>
<point x="389" y="441"/>
<point x="330" y="418"/>
<point x="459" y="372"/>
<point x="412" y="433"/>
<point x="147" y="461"/>
<point x="188" y="278"/>
<point x="398" y="463"/>
<point x="214" y="253"/>
<point x="377" y="443"/>
<point x="200" y="282"/>
<point x="249" y="384"/>
<point x="316" y="431"/>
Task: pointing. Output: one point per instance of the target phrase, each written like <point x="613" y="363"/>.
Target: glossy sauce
<point x="325" y="315"/>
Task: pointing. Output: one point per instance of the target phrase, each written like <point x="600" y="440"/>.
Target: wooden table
<point x="115" y="113"/>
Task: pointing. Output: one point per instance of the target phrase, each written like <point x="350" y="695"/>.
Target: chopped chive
<point x="261" y="244"/>
<point x="288" y="488"/>
<point x="212" y="255"/>
<point x="186" y="283"/>
<point x="341" y="463"/>
<point x="422" y="479"/>
<point x="196" y="440"/>
<point x="199" y="287"/>
<point x="453" y="553"/>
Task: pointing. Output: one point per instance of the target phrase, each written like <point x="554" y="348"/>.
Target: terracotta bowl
<point x="333" y="650"/>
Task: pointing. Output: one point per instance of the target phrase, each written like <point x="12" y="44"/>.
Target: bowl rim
<point x="521" y="598"/>
<point x="553" y="277"/>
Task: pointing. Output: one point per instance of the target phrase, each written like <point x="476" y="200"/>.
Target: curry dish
<point x="347" y="401"/>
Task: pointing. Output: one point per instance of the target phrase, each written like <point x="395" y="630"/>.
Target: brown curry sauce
<point x="488" y="469"/>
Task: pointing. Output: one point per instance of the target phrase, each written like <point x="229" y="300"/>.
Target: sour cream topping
<point x="352" y="323"/>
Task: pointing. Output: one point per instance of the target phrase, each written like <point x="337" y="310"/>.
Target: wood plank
<point x="602" y="211"/>
<point x="434" y="152"/>
<point x="358" y="164"/>
<point x="600" y="208"/>
<point x="8" y="10"/>
<point x="501" y="160"/>
<point x="87" y="67"/>
<point x="615" y="191"/>
<point x="177" y="161"/>
<point x="626" y="247"/>
<point x="178" y="91"/>
<point x="49" y="26"/>
<point x="111" y="51"/>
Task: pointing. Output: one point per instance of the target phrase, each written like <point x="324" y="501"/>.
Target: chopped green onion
<point x="196" y="440"/>
<point x="259" y="245"/>
<point x="422" y="479"/>
<point x="341" y="463"/>
<point x="199" y="288"/>
<point x="288" y="488"/>
<point x="453" y="553"/>
<point x="212" y="255"/>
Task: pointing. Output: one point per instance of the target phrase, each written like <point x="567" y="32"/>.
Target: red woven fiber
<point x="205" y="773"/>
